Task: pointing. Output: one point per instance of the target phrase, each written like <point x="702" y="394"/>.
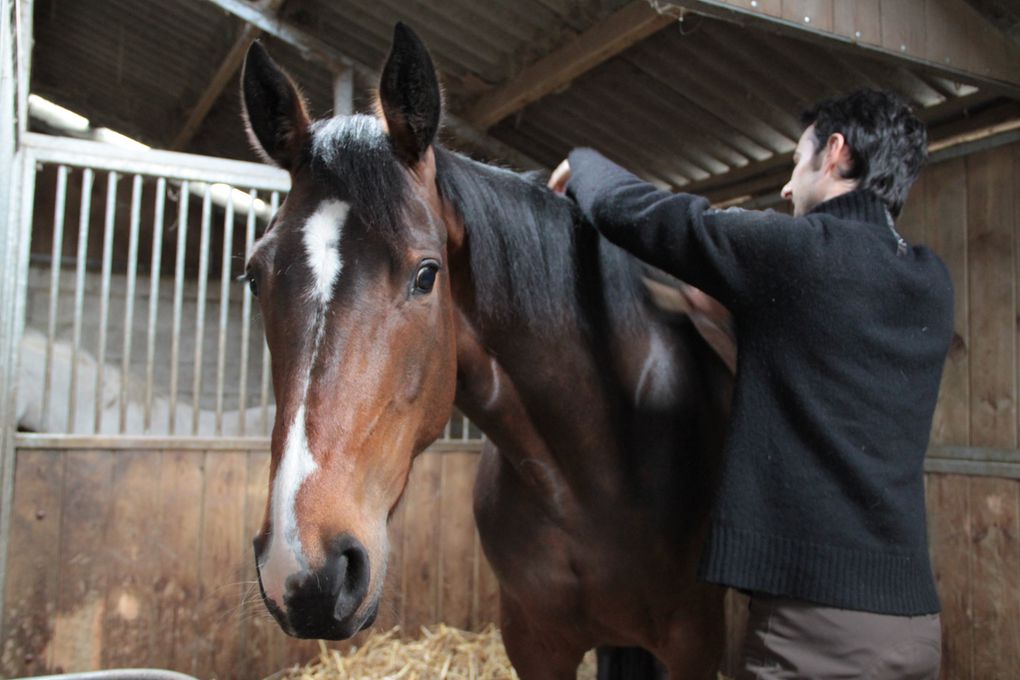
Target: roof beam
<point x="627" y="26"/>
<point x="314" y="49"/>
<point x="228" y="68"/>
<point x="945" y="37"/>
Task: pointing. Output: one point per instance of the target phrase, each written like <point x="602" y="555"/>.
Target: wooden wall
<point x="968" y="210"/>
<point x="143" y="558"/>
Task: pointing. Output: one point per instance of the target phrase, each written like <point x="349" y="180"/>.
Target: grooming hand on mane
<point x="399" y="278"/>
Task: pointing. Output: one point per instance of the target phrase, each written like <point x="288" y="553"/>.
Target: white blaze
<point x="322" y="247"/>
<point x="284" y="556"/>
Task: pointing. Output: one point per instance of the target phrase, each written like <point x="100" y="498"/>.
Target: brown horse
<point x="399" y="278"/>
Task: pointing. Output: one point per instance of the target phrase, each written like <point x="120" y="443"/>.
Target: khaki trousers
<point x="788" y="639"/>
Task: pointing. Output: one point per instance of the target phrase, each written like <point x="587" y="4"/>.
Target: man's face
<point x="808" y="183"/>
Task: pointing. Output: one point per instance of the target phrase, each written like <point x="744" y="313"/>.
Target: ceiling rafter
<point x="603" y="41"/>
<point x="315" y="49"/>
<point x="230" y="65"/>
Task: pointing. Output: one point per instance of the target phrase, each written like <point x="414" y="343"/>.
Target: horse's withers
<point x="356" y="399"/>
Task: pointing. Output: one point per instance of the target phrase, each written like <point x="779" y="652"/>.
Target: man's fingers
<point x="560" y="177"/>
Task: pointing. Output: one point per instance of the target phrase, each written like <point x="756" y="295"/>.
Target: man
<point x="842" y="330"/>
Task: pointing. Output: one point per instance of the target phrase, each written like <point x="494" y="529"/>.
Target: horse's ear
<point x="274" y="111"/>
<point x="409" y="95"/>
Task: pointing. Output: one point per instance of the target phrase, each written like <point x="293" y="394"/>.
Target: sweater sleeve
<point x="726" y="253"/>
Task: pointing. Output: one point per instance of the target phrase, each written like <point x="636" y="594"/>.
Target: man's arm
<point x="725" y="253"/>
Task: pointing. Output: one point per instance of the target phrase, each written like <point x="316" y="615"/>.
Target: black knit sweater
<point x="841" y="345"/>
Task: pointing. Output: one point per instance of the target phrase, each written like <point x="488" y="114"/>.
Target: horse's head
<point x="352" y="282"/>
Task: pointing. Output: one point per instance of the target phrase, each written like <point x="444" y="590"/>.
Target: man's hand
<point x="560" y="177"/>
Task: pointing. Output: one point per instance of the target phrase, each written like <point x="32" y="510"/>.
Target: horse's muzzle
<point x="323" y="604"/>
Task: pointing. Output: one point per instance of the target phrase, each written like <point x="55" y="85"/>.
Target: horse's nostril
<point x="348" y="563"/>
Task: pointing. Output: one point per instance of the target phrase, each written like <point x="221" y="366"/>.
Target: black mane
<point x="533" y="260"/>
<point x="528" y="249"/>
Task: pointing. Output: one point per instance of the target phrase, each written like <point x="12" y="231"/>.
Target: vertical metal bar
<point x="129" y="298"/>
<point x="221" y="360"/>
<point x="274" y="204"/>
<point x="154" y="274"/>
<point x="56" y="258"/>
<point x="79" y="292"/>
<point x="175" y="339"/>
<point x="446" y="428"/>
<point x="104" y="296"/>
<point x="249" y="242"/>
<point x="465" y="432"/>
<point x="203" y="272"/>
<point x="343" y="92"/>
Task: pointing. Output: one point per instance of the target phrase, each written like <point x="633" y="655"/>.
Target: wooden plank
<point x="32" y="578"/>
<point x="995" y="508"/>
<point x="486" y="607"/>
<point x="1016" y="266"/>
<point x="79" y="632"/>
<point x="178" y="526"/>
<point x="903" y="27"/>
<point x="945" y="198"/>
<point x="627" y="26"/>
<point x="1004" y="79"/>
<point x="912" y="222"/>
<point x="262" y="641"/>
<point x="222" y="564"/>
<point x="736" y="613"/>
<point x="945" y="34"/>
<point x="456" y="539"/>
<point x="951" y="545"/>
<point x="859" y="21"/>
<point x="814" y="13"/>
<point x="133" y="561"/>
<point x="421" y="549"/>
<point x="990" y="257"/>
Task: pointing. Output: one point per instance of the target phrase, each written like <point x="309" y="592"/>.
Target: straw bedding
<point x="440" y="653"/>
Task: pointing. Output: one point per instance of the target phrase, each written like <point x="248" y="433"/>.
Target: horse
<point x="399" y="279"/>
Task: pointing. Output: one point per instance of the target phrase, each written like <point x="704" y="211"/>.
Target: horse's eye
<point x="253" y="284"/>
<point x="425" y="279"/>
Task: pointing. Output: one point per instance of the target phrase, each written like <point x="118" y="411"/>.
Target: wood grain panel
<point x="32" y="564"/>
<point x="859" y="20"/>
<point x="421" y="549"/>
<point x="996" y="576"/>
<point x="946" y="201"/>
<point x="993" y="369"/>
<point x="816" y="14"/>
<point x="133" y="560"/>
<point x="457" y="539"/>
<point x="223" y="563"/>
<point x="80" y="621"/>
<point x="951" y="539"/>
<point x="903" y="27"/>
<point x="179" y="529"/>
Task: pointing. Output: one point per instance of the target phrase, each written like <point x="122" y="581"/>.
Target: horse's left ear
<point x="409" y="95"/>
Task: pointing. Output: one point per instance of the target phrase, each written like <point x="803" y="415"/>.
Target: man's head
<point x="865" y="140"/>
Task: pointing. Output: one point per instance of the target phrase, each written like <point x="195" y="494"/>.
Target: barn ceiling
<point x="696" y="102"/>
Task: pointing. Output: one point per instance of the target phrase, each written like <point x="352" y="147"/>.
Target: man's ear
<point x="837" y="159"/>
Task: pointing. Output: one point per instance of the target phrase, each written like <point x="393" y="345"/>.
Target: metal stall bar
<point x="154" y="271"/>
<point x="56" y="258"/>
<point x="203" y="275"/>
<point x="129" y="298"/>
<point x="175" y="346"/>
<point x="104" y="296"/>
<point x="79" y="291"/>
<point x="221" y="359"/>
<point x="249" y="242"/>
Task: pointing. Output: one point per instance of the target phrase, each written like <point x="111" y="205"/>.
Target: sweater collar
<point x="859" y="205"/>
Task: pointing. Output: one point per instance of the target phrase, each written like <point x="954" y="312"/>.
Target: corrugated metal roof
<point x="695" y="102"/>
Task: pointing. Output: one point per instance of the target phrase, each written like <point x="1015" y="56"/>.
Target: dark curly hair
<point x="888" y="144"/>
